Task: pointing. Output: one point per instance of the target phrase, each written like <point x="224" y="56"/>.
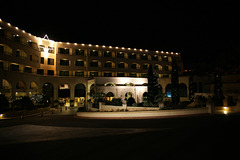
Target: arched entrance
<point x="128" y="95"/>
<point x="169" y="90"/>
<point x="79" y="93"/>
<point x="48" y="91"/>
<point x="182" y="90"/>
<point x="20" y="89"/>
<point x="33" y="88"/>
<point x="109" y="96"/>
<point x="5" y="88"/>
<point x="64" y="94"/>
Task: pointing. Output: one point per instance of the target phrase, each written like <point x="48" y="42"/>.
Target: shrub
<point x="4" y="103"/>
<point x="117" y="101"/>
<point x="82" y="109"/>
<point x="26" y="103"/>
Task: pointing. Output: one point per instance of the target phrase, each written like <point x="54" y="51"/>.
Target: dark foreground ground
<point x="67" y="137"/>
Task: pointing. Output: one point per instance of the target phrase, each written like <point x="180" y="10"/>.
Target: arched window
<point x="95" y="63"/>
<point x="33" y="85"/>
<point x="129" y="84"/>
<point x="80" y="90"/>
<point x="20" y="85"/>
<point x="5" y="84"/>
<point x="109" y="84"/>
<point x="182" y="90"/>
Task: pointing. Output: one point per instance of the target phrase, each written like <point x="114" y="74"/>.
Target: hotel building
<point x="30" y="64"/>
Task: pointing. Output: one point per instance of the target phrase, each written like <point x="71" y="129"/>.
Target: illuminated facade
<point x="30" y="64"/>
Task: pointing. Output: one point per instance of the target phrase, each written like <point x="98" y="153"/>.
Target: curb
<point x="145" y="117"/>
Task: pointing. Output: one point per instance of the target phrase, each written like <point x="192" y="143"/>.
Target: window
<point x="50" y="49"/>
<point x="63" y="50"/>
<point x="155" y="58"/>
<point x="41" y="48"/>
<point x="42" y="60"/>
<point x="165" y="76"/>
<point x="79" y="63"/>
<point x="14" y="67"/>
<point x="94" y="63"/>
<point x="132" y="75"/>
<point x="50" y="61"/>
<point x="93" y="53"/>
<point x="107" y="54"/>
<point x="158" y="67"/>
<point x="144" y="75"/>
<point x="132" y="56"/>
<point x="50" y="72"/>
<point x="121" y="65"/>
<point x="17" y="53"/>
<point x="27" y="69"/>
<point x="79" y="74"/>
<point x="79" y="52"/>
<point x="165" y="58"/>
<point x="107" y="74"/>
<point x="145" y="66"/>
<point x="64" y="73"/>
<point x="1" y="65"/>
<point x="16" y="38"/>
<point x="30" y="57"/>
<point x="166" y="68"/>
<point x="135" y="66"/>
<point x="144" y="57"/>
<point x="108" y="65"/>
<point x="40" y="71"/>
<point x="64" y="62"/>
<point x="1" y="49"/>
<point x="93" y="74"/>
<point x="120" y="75"/>
<point x="2" y="32"/>
<point x="120" y="55"/>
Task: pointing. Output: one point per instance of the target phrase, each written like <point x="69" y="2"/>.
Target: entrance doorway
<point x="64" y="95"/>
<point x="80" y="93"/>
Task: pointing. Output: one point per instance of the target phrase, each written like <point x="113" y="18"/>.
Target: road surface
<point x="67" y="137"/>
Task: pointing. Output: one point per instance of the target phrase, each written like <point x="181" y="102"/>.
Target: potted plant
<point x="159" y="100"/>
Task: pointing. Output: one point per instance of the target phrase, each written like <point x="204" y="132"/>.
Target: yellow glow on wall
<point x="45" y="53"/>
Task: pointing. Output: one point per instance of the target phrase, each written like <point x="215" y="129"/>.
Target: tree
<point x="218" y="88"/>
<point x="175" y="83"/>
<point x="152" y="84"/>
<point x="191" y="89"/>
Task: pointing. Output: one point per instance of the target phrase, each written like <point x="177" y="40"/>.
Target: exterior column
<point x="72" y="96"/>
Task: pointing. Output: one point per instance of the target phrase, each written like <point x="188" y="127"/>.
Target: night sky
<point x="199" y="31"/>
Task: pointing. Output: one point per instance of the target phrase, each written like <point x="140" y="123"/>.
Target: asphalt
<point x="67" y="137"/>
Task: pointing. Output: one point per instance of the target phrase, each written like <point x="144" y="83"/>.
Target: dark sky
<point x="199" y="31"/>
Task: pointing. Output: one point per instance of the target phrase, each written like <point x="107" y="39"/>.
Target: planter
<point x="161" y="105"/>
